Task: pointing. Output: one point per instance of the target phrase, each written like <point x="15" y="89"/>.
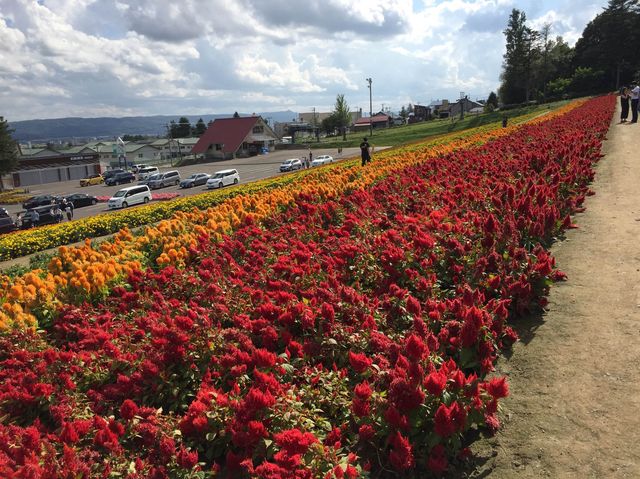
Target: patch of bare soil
<point x="574" y="408"/>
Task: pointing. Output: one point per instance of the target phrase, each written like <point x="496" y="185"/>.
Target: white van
<point x="132" y="195"/>
<point x="223" y="178"/>
<point x="146" y="172"/>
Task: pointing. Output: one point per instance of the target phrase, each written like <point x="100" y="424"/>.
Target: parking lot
<point x="249" y="169"/>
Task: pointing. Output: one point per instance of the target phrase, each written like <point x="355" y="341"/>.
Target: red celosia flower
<point x="263" y="359"/>
<point x="413" y="306"/>
<point x="366" y="432"/>
<point x="363" y="391"/>
<point x="295" y="441"/>
<point x="359" y="362"/>
<point x="498" y="387"/>
<point x="401" y="455"/>
<point x="69" y="434"/>
<point x="128" y="409"/>
<point x="435" y="383"/>
<point x="415" y="347"/>
<point x="187" y="459"/>
<point x="449" y="419"/>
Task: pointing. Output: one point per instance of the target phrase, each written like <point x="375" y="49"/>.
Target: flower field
<point x="339" y="326"/>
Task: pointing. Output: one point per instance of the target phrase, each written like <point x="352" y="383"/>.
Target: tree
<point x="492" y="100"/>
<point x="184" y="128"/>
<point x="200" y="128"/>
<point x="610" y="43"/>
<point x="342" y="115"/>
<point x="8" y="149"/>
<point x="518" y="59"/>
<point x="404" y="114"/>
<point x="329" y="125"/>
<point x="133" y="137"/>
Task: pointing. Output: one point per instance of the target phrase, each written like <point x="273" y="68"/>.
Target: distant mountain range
<point x="70" y="129"/>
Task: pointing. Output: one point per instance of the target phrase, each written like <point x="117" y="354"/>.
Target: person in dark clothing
<point x="624" y="104"/>
<point x="365" y="151"/>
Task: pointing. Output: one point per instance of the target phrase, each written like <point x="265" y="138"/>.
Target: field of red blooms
<point x="342" y="338"/>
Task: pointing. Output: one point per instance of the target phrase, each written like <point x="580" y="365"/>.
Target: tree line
<point x="539" y="68"/>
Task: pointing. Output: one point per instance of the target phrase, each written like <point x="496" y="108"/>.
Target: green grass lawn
<point x="400" y="135"/>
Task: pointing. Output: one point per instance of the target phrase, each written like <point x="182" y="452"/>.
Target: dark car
<point x="39" y="200"/>
<point x="47" y="216"/>
<point x="7" y="225"/>
<point x="80" y="199"/>
<point x="120" y="178"/>
<point x="110" y="173"/>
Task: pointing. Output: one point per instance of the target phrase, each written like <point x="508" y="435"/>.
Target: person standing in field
<point x="365" y="151"/>
<point x="624" y="103"/>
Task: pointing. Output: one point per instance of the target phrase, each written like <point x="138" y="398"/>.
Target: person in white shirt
<point x="635" y="95"/>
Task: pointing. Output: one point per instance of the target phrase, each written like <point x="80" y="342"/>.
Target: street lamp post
<point x="370" y="109"/>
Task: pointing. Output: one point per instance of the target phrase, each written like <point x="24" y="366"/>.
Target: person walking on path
<point x="624" y="104"/>
<point x="68" y="208"/>
<point x="35" y="218"/>
<point x="635" y="96"/>
<point x="365" y="151"/>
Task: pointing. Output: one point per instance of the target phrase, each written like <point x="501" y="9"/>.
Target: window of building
<point x="258" y="129"/>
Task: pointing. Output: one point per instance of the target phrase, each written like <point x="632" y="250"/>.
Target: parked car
<point x="120" y="178"/>
<point x="47" y="215"/>
<point x="137" y="168"/>
<point x="290" y="165"/>
<point x="7" y="225"/>
<point x="109" y="173"/>
<point x="39" y="200"/>
<point x="129" y="196"/>
<point x="147" y="171"/>
<point x="196" y="179"/>
<point x="322" y="160"/>
<point x="145" y="181"/>
<point x="80" y="199"/>
<point x="223" y="178"/>
<point x="165" y="179"/>
<point x="92" y="180"/>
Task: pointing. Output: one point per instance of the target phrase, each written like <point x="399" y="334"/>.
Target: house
<point x="420" y="113"/>
<point x="378" y="121"/>
<point x="228" y="138"/>
<point x="174" y="148"/>
<point x="466" y="104"/>
<point x="37" y="166"/>
<point x="440" y="109"/>
<point x="139" y="153"/>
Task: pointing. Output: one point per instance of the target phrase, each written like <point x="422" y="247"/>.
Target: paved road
<point x="250" y="169"/>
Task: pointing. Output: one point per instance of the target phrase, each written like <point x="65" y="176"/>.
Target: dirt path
<point x="574" y="409"/>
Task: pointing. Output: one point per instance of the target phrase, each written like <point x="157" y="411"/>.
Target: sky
<point x="95" y="58"/>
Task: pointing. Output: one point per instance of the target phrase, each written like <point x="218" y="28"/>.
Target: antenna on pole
<point x="370" y="108"/>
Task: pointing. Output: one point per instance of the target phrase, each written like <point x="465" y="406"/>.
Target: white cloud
<point x="97" y="57"/>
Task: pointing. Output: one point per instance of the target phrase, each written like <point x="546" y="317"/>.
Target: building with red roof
<point x="227" y="138"/>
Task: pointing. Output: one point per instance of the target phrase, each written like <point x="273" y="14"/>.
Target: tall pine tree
<point x="518" y="60"/>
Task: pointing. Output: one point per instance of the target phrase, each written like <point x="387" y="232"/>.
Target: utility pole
<point x="370" y="108"/>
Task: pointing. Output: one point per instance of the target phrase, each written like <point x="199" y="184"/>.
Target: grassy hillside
<point x="400" y="135"/>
